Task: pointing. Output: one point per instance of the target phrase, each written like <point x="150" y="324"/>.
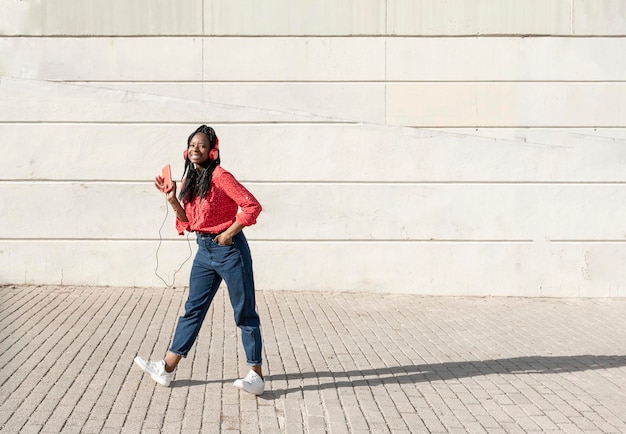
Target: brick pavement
<point x="336" y="363"/>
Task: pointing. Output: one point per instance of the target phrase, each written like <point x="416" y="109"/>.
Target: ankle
<point x="169" y="368"/>
<point x="258" y="371"/>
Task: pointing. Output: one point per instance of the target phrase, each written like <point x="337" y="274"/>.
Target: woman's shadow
<point x="412" y="374"/>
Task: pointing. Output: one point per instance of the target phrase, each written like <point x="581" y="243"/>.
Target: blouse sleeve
<point x="181" y="227"/>
<point x="250" y="208"/>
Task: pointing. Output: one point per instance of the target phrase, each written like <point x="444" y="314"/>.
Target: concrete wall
<point x="430" y="147"/>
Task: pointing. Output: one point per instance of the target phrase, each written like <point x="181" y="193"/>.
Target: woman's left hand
<point x="224" y="239"/>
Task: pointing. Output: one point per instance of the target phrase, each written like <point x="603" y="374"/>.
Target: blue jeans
<point x="212" y="264"/>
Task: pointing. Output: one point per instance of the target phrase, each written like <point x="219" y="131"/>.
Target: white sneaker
<point x="252" y="383"/>
<point x="156" y="371"/>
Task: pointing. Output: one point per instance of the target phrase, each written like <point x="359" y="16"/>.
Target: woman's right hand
<point x="169" y="194"/>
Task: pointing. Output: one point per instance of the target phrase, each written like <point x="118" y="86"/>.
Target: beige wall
<point x="429" y="147"/>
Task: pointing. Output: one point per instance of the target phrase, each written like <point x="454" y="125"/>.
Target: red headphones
<point x="213" y="153"/>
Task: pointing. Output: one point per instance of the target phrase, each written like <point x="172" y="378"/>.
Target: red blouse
<point x="218" y="210"/>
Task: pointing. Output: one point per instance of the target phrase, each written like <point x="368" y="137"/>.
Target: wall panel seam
<point x="433" y="127"/>
<point x="280" y="240"/>
<point x="251" y="239"/>
<point x="366" y="81"/>
<point x="320" y="36"/>
<point x="325" y="183"/>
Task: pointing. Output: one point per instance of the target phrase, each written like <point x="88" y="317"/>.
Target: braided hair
<point x="198" y="181"/>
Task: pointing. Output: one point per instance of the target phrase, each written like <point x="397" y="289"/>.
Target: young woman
<point x="216" y="207"/>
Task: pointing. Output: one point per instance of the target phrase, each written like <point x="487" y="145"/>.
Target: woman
<point x="217" y="207"/>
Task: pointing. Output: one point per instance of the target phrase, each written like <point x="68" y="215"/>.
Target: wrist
<point x="231" y="232"/>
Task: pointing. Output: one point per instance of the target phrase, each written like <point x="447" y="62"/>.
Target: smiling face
<point x="199" y="148"/>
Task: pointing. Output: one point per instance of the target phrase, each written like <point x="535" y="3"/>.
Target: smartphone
<point x="166" y="173"/>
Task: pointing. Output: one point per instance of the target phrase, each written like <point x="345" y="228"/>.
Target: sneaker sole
<point x="139" y="362"/>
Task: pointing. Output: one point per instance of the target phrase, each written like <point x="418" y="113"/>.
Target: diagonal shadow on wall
<point x="412" y="374"/>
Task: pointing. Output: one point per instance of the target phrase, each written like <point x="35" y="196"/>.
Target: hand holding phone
<point x="166" y="173"/>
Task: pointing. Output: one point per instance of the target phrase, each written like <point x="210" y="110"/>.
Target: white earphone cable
<point x="156" y="269"/>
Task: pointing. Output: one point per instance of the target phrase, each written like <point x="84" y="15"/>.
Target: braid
<point x="198" y="182"/>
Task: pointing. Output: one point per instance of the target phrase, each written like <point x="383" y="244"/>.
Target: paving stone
<point x="334" y="363"/>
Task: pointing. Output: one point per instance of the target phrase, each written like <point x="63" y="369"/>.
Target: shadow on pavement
<point x="446" y="371"/>
<point x="429" y="372"/>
